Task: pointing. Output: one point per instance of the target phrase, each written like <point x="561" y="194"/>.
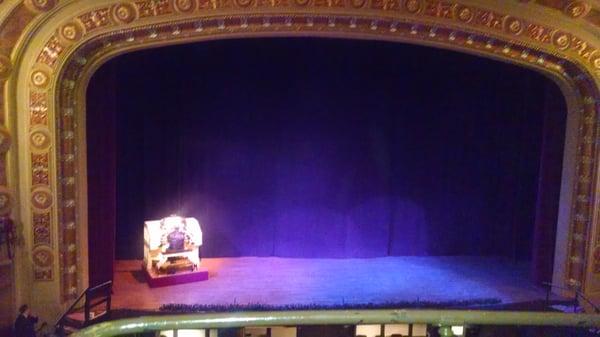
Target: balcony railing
<point x="444" y="319"/>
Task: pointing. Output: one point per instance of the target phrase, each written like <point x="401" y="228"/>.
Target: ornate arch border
<point x="60" y="45"/>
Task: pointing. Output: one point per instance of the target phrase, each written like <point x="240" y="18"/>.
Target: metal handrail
<point x="85" y="293"/>
<point x="578" y="295"/>
<point x="71" y="307"/>
<point x="105" y="290"/>
<point x="442" y="318"/>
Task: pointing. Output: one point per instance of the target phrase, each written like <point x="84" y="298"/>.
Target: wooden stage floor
<point x="330" y="282"/>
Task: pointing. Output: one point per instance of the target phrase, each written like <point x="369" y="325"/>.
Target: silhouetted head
<point x="24" y="310"/>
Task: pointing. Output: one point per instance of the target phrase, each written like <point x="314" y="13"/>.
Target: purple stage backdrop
<point x="325" y="148"/>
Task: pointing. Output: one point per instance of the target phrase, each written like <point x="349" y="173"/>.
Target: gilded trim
<point x="90" y="32"/>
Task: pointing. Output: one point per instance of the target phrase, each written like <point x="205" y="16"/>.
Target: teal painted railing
<point x="442" y="318"/>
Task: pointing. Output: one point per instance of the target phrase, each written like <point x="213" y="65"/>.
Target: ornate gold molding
<point x="90" y="32"/>
<point x="15" y="16"/>
<point x="586" y="10"/>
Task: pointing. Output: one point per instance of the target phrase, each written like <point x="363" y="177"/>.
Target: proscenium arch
<point x="98" y="60"/>
<point x="55" y="60"/>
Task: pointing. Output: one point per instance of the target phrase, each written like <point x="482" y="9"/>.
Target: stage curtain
<point x="101" y="173"/>
<point x="336" y="157"/>
<point x="548" y="193"/>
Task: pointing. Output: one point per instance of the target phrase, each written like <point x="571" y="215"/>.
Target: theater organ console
<point x="172" y="251"/>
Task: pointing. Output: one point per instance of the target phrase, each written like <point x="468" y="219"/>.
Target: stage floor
<point x="332" y="282"/>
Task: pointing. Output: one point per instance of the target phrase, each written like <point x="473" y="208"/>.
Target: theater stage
<point x="333" y="282"/>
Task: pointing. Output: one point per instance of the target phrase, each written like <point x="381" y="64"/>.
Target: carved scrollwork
<point x="40" y="139"/>
<point x="40" y="78"/>
<point x="513" y="25"/>
<point x="185" y="6"/>
<point x="41" y="198"/>
<point x="576" y="9"/>
<point x="562" y="40"/>
<point x="124" y="12"/>
<point x="43" y="261"/>
<point x="71" y="32"/>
